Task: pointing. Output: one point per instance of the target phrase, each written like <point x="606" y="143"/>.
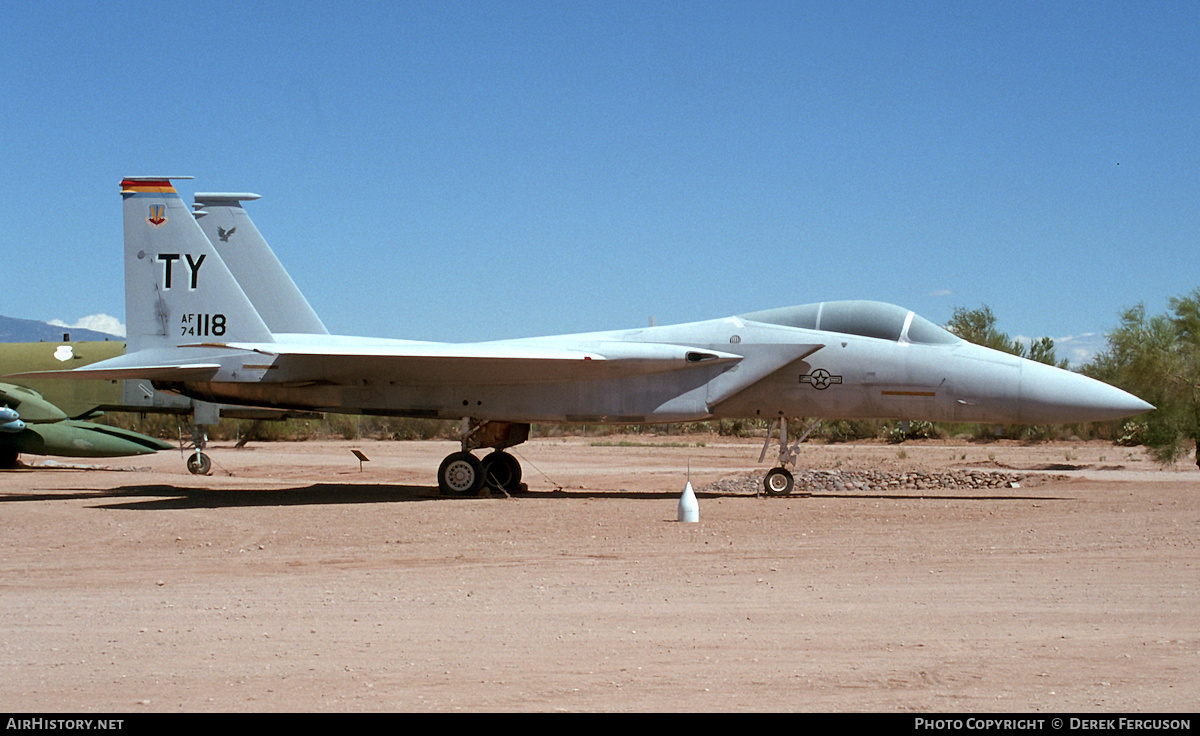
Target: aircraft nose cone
<point x="1051" y="395"/>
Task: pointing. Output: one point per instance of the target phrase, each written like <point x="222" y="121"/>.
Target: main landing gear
<point x="463" y="474"/>
<point x="779" y="481"/>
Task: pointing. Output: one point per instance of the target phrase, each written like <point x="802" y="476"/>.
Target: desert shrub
<point x="898" y="432"/>
<point x="846" y="430"/>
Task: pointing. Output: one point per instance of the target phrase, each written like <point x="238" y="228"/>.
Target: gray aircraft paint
<point x="253" y="264"/>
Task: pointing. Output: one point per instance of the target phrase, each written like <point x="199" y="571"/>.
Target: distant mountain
<point x="30" y="330"/>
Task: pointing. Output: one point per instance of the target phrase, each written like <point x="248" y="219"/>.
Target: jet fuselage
<point x="776" y="373"/>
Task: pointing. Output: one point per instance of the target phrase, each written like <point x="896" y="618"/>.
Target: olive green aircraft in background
<point x="50" y="417"/>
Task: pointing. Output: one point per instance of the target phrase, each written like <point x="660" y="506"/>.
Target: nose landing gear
<point x="198" y="463"/>
<point x="779" y="481"/>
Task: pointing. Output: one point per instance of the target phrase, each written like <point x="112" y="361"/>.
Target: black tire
<point x="779" y="482"/>
<point x="502" y="472"/>
<point x="461" y="474"/>
<point x="199" y="464"/>
<point x="8" y="457"/>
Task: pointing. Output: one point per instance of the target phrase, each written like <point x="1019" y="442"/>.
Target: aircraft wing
<point x="480" y="363"/>
<point x="414" y="362"/>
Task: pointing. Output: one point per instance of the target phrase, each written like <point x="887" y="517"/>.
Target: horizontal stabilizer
<point x="183" y="372"/>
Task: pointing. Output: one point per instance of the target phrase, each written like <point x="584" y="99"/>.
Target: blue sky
<point x="468" y="171"/>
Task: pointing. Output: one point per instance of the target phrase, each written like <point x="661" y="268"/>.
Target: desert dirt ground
<point x="291" y="580"/>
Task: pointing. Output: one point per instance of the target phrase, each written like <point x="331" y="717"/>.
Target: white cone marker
<point x="689" y="510"/>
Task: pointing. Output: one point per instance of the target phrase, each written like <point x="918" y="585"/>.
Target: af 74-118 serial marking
<point x="202" y="325"/>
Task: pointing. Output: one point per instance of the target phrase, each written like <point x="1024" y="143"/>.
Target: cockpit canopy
<point x="868" y="319"/>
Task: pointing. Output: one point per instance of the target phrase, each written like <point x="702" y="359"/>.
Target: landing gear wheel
<point x="502" y="472"/>
<point x="8" y="457"/>
<point x="199" y="464"/>
<point x="461" y="474"/>
<point x="779" y="482"/>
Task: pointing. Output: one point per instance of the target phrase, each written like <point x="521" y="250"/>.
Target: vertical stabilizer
<point x="253" y="264"/>
<point x="178" y="291"/>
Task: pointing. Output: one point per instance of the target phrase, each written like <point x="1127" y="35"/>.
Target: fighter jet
<point x="193" y="329"/>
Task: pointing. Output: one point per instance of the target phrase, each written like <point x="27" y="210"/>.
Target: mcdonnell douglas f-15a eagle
<point x="192" y="329"/>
